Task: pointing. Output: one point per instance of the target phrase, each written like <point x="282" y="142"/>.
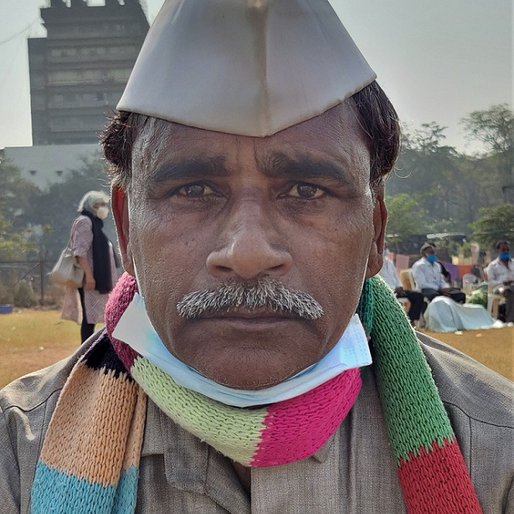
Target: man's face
<point x="429" y="251"/>
<point x="208" y="208"/>
<point x="503" y="248"/>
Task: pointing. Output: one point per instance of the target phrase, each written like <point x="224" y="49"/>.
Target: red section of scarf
<point x="446" y="487"/>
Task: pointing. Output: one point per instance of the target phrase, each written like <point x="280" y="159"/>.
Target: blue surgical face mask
<point x="432" y="258"/>
<point x="506" y="256"/>
<point x="136" y="330"/>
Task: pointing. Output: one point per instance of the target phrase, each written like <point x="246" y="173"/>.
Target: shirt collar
<point x="193" y="466"/>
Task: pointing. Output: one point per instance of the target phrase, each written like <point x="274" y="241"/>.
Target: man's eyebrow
<point x="303" y="168"/>
<point x="189" y="169"/>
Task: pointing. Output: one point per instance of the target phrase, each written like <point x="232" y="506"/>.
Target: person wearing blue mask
<point x="429" y="277"/>
<point x="500" y="275"/>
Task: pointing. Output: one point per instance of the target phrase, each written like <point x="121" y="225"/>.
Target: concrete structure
<point x="47" y="164"/>
<point x="78" y="72"/>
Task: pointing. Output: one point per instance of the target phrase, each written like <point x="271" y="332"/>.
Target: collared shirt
<point x="428" y="275"/>
<point x="389" y="274"/>
<point x="354" y="473"/>
<point x="498" y="273"/>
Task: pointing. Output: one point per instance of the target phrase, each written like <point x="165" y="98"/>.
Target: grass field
<point x="32" y="339"/>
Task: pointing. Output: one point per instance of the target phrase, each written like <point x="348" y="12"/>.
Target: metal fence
<point x="34" y="272"/>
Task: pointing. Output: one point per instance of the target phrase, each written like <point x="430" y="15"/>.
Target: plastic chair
<point x="407" y="279"/>
<point x="494" y="300"/>
<point x="469" y="283"/>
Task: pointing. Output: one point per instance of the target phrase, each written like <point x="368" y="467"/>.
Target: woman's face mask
<point x="432" y="258"/>
<point x="102" y="212"/>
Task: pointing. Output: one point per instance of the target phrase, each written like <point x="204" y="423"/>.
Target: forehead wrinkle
<point x="155" y="136"/>
<point x="160" y="142"/>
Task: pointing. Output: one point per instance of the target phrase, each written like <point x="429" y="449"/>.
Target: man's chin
<point x="247" y="368"/>
<point x="248" y="356"/>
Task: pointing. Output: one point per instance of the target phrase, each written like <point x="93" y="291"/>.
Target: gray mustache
<point x="265" y="293"/>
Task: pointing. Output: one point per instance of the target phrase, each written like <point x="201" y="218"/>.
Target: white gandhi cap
<point x="246" y="67"/>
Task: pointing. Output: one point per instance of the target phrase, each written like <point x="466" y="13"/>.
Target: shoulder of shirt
<point x="80" y="223"/>
<point x="477" y="391"/>
<point x="32" y="390"/>
<point x="83" y="220"/>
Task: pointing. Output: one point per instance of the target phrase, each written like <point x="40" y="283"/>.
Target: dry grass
<point x="31" y="339"/>
<point x="493" y="347"/>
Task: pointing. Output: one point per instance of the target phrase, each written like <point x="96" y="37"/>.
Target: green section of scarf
<point x="416" y="417"/>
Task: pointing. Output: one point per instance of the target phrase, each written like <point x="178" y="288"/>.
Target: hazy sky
<point x="437" y="59"/>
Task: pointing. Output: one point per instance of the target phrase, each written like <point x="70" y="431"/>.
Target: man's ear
<point x="376" y="253"/>
<point x="121" y="217"/>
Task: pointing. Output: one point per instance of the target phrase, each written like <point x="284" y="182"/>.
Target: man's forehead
<point x="333" y="133"/>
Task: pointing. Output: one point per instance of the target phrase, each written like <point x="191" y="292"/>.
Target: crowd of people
<point x="433" y="281"/>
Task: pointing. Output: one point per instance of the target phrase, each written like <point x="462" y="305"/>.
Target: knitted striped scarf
<point x="90" y="456"/>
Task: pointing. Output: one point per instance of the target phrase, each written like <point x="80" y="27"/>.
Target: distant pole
<point x="41" y="279"/>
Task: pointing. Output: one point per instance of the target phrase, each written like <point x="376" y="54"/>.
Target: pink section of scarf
<point x="119" y="300"/>
<point x="319" y="411"/>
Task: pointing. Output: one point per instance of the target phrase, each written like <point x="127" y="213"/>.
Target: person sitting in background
<point x="500" y="275"/>
<point x="429" y="278"/>
<point x="390" y="275"/>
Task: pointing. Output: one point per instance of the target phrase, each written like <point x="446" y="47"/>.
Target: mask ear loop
<point x="138" y="282"/>
<point x="365" y="307"/>
<point x="140" y="292"/>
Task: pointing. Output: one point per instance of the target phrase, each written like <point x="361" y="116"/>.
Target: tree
<point x="494" y="127"/>
<point x="426" y="169"/>
<point x="15" y="198"/>
<point x="13" y="244"/>
<point x="493" y="224"/>
<point x="406" y="218"/>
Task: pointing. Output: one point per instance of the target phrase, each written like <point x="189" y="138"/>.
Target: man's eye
<point x="195" y="191"/>
<point x="306" y="191"/>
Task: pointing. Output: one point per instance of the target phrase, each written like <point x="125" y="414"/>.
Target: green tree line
<point x="436" y="189"/>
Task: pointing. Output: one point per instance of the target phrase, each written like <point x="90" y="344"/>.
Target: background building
<point x="78" y="72"/>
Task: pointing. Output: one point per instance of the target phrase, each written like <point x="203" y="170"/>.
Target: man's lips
<point x="257" y="316"/>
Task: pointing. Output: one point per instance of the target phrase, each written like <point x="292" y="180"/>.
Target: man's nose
<point x="252" y="247"/>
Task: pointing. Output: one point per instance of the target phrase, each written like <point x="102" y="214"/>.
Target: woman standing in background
<point x="96" y="256"/>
